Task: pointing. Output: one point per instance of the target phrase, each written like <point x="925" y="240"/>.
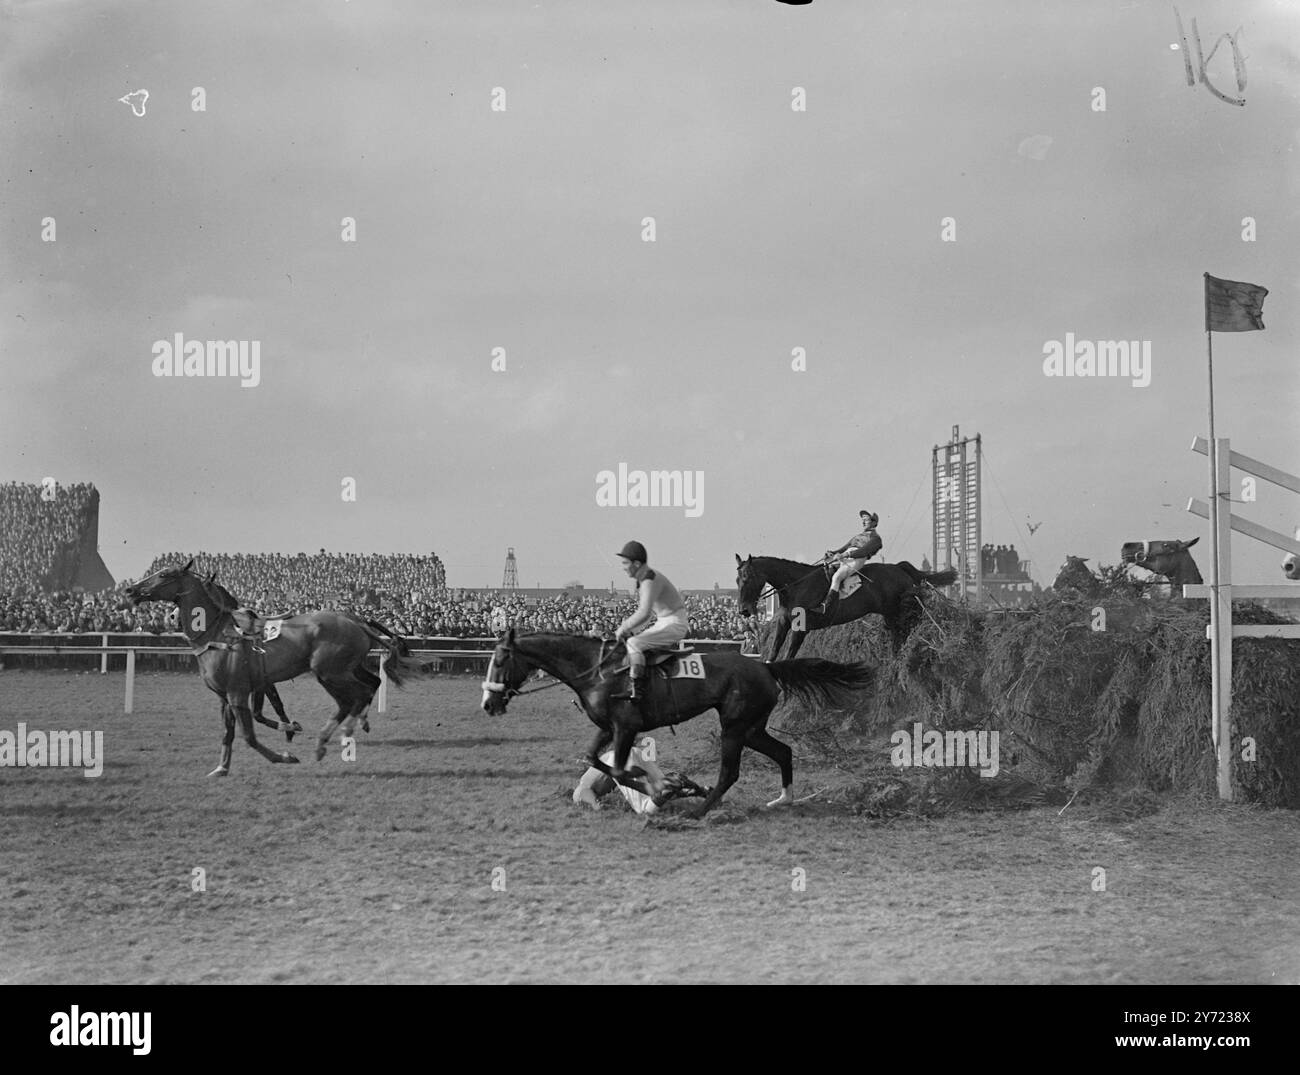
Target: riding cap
<point x="634" y="550"/>
<point x="870" y="515"/>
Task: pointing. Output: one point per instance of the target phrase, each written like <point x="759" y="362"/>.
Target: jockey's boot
<point x="825" y="607"/>
<point x="639" y="693"/>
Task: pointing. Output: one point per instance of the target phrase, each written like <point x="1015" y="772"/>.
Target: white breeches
<point x="846" y="568"/>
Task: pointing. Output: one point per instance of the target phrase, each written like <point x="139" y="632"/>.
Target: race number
<point x="690" y="667"/>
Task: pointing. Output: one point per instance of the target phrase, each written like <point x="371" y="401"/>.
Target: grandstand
<point x="53" y="581"/>
<point x="49" y="539"/>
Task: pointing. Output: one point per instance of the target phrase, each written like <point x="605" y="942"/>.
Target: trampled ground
<point x="381" y="870"/>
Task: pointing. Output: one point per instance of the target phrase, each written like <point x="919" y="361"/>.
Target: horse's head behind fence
<point x="749" y="586"/>
<point x="1168" y="558"/>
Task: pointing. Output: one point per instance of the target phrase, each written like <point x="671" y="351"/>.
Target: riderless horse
<point x="800" y="588"/>
<point x="683" y="685"/>
<point x="331" y="645"/>
<point x="1168" y="558"/>
<point x="1075" y="575"/>
<point x="267" y="692"/>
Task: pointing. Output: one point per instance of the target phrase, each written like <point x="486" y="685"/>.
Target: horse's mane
<point x="786" y="563"/>
<point x="223" y="598"/>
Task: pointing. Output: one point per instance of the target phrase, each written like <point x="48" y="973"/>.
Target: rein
<point x="511" y="692"/>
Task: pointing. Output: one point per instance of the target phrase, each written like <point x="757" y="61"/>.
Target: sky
<point x="500" y="161"/>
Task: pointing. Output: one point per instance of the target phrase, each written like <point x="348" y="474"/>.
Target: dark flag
<point x="1231" y="306"/>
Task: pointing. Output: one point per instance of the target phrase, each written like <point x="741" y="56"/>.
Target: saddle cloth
<point x="663" y="661"/>
<point x="258" y="628"/>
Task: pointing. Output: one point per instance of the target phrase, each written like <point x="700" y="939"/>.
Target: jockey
<point x="657" y="597"/>
<point x="858" y="549"/>
<point x="595" y="783"/>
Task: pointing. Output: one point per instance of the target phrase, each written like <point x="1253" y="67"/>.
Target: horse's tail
<point x="397" y="663"/>
<point x="946" y="577"/>
<point x="816" y="680"/>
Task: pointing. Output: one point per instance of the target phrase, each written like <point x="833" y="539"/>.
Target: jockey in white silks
<point x="860" y="548"/>
<point x="656" y="597"/>
<point x="585" y="792"/>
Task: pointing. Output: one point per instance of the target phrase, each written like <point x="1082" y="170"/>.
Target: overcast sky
<point x="522" y="229"/>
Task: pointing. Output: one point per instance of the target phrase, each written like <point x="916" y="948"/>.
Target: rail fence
<point x="109" y="652"/>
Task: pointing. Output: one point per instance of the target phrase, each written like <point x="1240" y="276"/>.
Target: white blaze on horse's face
<point x="493" y="687"/>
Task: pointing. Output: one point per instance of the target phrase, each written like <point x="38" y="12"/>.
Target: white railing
<point x="381" y="696"/>
<point x="1221" y="630"/>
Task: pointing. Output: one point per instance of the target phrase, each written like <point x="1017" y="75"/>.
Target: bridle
<point x="509" y="692"/>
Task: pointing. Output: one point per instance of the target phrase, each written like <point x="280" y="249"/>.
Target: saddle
<point x="660" y="660"/>
<point x="252" y="626"/>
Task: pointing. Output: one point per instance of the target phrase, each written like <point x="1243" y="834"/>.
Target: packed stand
<point x="40" y="534"/>
<point x="409" y="592"/>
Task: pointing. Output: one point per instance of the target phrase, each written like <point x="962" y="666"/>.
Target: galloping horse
<point x="331" y="645"/>
<point x="1168" y="558"/>
<point x="801" y="587"/>
<point x="742" y="690"/>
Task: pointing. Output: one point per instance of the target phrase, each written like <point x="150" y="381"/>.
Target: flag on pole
<point x="1231" y="306"/>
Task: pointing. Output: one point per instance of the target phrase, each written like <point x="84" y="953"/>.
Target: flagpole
<point x="1215" y="625"/>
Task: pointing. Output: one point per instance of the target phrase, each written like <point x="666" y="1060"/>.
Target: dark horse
<point x="742" y="690"/>
<point x="800" y="588"/>
<point x="1077" y="577"/>
<point x="331" y="645"/>
<point x="1168" y="558"/>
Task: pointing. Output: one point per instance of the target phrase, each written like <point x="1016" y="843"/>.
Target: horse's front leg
<point x="783" y="619"/>
<point x="598" y="747"/>
<point x="240" y="704"/>
<point x="624" y="736"/>
<point x="289" y="727"/>
<point x="227" y="740"/>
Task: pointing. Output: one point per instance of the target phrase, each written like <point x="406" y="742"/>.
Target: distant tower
<point x="510" y="580"/>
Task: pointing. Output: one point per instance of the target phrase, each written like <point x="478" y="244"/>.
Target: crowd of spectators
<point x="408" y="592"/>
<point x="40" y="533"/>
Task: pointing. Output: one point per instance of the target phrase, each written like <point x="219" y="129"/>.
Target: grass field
<point x="381" y="869"/>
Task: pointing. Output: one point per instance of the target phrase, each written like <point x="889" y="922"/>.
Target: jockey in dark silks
<point x="857" y="551"/>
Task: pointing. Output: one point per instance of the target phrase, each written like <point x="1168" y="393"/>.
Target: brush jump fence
<point x="1221" y="592"/>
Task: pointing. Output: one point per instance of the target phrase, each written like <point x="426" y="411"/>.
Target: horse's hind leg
<point x="341" y="690"/>
<point x="371" y="682"/>
<point x="728" y="771"/>
<point x="765" y="742"/>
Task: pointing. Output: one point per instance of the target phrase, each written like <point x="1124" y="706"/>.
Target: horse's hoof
<point x="320" y="753"/>
<point x="220" y="770"/>
<point x="288" y="758"/>
<point x="288" y="737"/>
<point x="786" y="799"/>
<point x="365" y="726"/>
<point x="296" y="727"/>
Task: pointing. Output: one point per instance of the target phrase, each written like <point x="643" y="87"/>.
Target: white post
<point x="130" y="680"/>
<point x="381" y="699"/>
<point x="1221" y="619"/>
<point x="103" y="657"/>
